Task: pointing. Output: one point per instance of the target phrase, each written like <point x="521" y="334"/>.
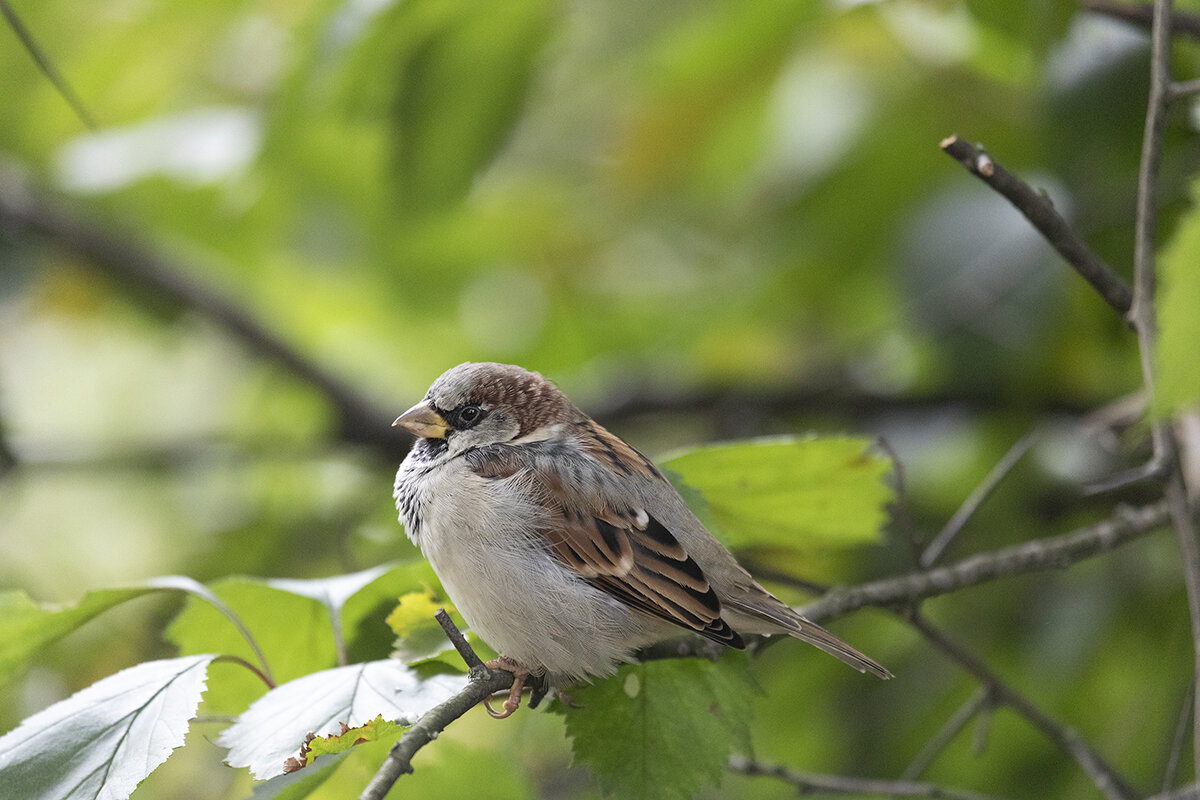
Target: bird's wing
<point x="609" y="539"/>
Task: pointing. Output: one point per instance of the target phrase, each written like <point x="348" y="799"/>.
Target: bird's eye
<point x="468" y="416"/>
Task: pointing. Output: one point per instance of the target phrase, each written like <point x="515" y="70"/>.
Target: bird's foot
<point x="513" y="702"/>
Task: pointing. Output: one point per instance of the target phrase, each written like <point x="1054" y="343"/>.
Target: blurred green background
<point x="703" y="220"/>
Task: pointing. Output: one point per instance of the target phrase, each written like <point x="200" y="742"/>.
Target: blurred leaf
<point x="788" y="492"/>
<point x="456" y="73"/>
<point x="663" y="729"/>
<point x="276" y="725"/>
<point x="26" y="626"/>
<point x="103" y="741"/>
<point x="1179" y="318"/>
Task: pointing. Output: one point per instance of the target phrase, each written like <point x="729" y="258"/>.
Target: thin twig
<point x="1106" y="779"/>
<point x="1186" y="709"/>
<point x="1143" y="15"/>
<point x="46" y="65"/>
<point x="1040" y="212"/>
<point x="899" y="511"/>
<point x="941" y="740"/>
<point x="484" y="683"/>
<point x="1057" y="552"/>
<point x="1189" y="553"/>
<point x="811" y="782"/>
<point x="458" y="640"/>
<point x="982" y="492"/>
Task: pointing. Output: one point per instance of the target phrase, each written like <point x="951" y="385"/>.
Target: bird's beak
<point x="421" y="420"/>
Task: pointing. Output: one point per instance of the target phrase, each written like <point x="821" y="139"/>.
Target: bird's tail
<point x="795" y="625"/>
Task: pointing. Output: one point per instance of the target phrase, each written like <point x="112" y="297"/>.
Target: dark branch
<point x="1040" y="212"/>
<point x="139" y="266"/>
<point x="458" y="640"/>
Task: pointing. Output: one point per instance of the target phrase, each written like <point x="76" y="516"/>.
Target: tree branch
<point x="1106" y="779"/>
<point x="484" y="682"/>
<point x="46" y="65"/>
<point x="122" y="257"/>
<point x="1143" y="15"/>
<point x="1055" y="552"/>
<point x="1038" y="209"/>
<point x="810" y="782"/>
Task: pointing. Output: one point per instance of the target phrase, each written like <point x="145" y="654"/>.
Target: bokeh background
<point x="703" y="220"/>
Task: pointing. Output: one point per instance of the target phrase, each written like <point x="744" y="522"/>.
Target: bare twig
<point x="1055" y="552"/>
<point x="484" y="683"/>
<point x="46" y="65"/>
<point x="1143" y="15"/>
<point x="941" y="740"/>
<point x="1106" y="779"/>
<point x="1038" y="209"/>
<point x="810" y="783"/>
<point x="1189" y="552"/>
<point x="982" y="492"/>
<point x="1186" y="710"/>
<point x="458" y="640"/>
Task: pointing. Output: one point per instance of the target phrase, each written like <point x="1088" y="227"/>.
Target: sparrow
<point x="563" y="547"/>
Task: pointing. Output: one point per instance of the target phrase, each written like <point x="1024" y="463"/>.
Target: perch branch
<point x="813" y="783"/>
<point x="1106" y="779"/>
<point x="1040" y="212"/>
<point x="484" y="683"/>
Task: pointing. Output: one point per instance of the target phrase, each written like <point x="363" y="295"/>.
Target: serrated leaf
<point x="788" y="491"/>
<point x="276" y="725"/>
<point x="663" y="729"/>
<point x="1178" y="384"/>
<point x="374" y="730"/>
<point x="102" y="741"/>
<point x="26" y="625"/>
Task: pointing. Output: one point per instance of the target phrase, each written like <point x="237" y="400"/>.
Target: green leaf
<point x="1178" y="383"/>
<point x="275" y="727"/>
<point x="378" y="729"/>
<point x="787" y="492"/>
<point x="663" y="729"/>
<point x="294" y="633"/>
<point x="26" y="626"/>
<point x="103" y="741"/>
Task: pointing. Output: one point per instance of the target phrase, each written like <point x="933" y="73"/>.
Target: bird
<point x="562" y="546"/>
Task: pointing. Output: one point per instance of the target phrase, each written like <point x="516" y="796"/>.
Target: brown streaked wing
<point x="644" y="567"/>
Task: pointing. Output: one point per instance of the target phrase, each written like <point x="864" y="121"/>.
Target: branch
<point x="1143" y="15"/>
<point x="123" y="258"/>
<point x="981" y="493"/>
<point x="941" y="740"/>
<point x="484" y="683"/>
<point x="1106" y="779"/>
<point x="1055" y="552"/>
<point x="1038" y="209"/>
<point x="809" y="783"/>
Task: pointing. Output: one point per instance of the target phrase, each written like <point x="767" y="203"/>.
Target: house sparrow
<point x="563" y="547"/>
